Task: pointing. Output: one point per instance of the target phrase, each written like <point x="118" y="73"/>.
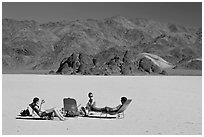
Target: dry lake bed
<point x="167" y="105"/>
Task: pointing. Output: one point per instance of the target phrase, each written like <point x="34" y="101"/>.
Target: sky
<point x="184" y="13"/>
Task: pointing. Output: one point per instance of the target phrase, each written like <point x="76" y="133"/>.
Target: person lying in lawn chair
<point x="110" y="109"/>
<point x="115" y="109"/>
<point x="48" y="114"/>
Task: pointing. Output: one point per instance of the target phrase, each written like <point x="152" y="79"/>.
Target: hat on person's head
<point x="90" y="94"/>
<point x="36" y="99"/>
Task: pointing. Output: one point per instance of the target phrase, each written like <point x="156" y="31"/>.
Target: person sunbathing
<point x="105" y="109"/>
<point x="115" y="109"/>
<point x="45" y="113"/>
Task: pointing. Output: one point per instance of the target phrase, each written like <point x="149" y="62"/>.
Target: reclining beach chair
<point x="120" y="113"/>
<point x="36" y="116"/>
<point x="70" y="107"/>
<point x="32" y="115"/>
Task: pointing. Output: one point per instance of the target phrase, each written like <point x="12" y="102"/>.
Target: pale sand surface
<point x="161" y="105"/>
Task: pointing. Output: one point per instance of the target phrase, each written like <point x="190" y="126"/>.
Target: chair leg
<point x="120" y="116"/>
<point x="103" y="114"/>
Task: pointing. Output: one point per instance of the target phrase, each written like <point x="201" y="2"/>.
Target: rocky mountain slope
<point x="104" y="47"/>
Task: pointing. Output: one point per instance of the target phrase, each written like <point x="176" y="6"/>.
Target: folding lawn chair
<point x="70" y="107"/>
<point x="35" y="115"/>
<point x="120" y="112"/>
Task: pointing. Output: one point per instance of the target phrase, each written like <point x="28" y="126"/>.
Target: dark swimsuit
<point x="42" y="114"/>
<point x="33" y="106"/>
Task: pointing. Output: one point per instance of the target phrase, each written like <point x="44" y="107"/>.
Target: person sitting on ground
<point x="46" y="113"/>
<point x="90" y="104"/>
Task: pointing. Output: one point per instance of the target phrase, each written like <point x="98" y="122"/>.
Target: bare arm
<point x="91" y="104"/>
<point x="43" y="101"/>
<point x="94" y="104"/>
<point x="116" y="108"/>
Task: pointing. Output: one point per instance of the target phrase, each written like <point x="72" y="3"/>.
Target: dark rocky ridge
<point x="109" y="62"/>
<point x="102" y="46"/>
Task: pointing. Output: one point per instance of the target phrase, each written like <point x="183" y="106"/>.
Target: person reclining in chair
<point x="110" y="109"/>
<point x="46" y="113"/>
<point x="115" y="109"/>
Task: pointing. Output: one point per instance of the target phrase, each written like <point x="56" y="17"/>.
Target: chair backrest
<point x="33" y="113"/>
<point x="124" y="106"/>
<point x="70" y="104"/>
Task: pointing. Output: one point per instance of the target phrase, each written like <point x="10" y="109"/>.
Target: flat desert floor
<point x="160" y="104"/>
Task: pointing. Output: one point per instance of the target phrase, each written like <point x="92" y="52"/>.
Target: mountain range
<point x="102" y="45"/>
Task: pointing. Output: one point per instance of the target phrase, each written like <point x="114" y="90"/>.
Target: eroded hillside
<point x="112" y="43"/>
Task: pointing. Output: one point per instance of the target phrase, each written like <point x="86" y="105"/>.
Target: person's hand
<point x="43" y="101"/>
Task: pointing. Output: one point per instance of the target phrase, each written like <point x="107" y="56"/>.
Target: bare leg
<point x="84" y="111"/>
<point x="50" y="110"/>
<point x="98" y="109"/>
<point x="57" y="113"/>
